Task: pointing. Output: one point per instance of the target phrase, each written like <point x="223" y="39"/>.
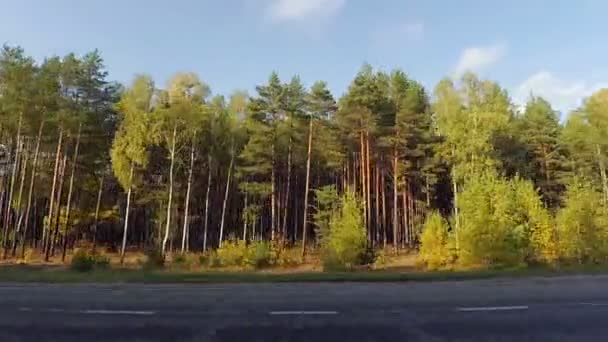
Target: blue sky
<point x="554" y="48"/>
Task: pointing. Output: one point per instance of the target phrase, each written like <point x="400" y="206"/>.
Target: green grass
<point x="63" y="275"/>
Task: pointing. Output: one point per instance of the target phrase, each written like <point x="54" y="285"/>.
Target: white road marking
<point x="117" y="312"/>
<point x="25" y="309"/>
<point x="279" y="313"/>
<point x="493" y="308"/>
<point x="595" y="304"/>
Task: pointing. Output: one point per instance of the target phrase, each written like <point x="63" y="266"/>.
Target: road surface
<point x="534" y="309"/>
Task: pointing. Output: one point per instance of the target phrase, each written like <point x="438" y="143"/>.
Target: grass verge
<point x="46" y="274"/>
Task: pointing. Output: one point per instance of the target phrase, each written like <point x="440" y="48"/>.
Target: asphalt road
<point x="535" y="309"/>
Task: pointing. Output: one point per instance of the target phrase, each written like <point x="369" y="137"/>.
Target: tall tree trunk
<point x="395" y="202"/>
<point x="224" y="204"/>
<point x="19" y="209"/>
<point x="245" y="218"/>
<point x="406" y="227"/>
<point x="272" y="198"/>
<point x="456" y="217"/>
<point x="97" y="206"/>
<point x="384" y="223"/>
<point x="186" y="228"/>
<point x="602" y="166"/>
<point x="288" y="189"/>
<point x="428" y="192"/>
<point x="46" y="229"/>
<point x="368" y="188"/>
<point x="377" y="222"/>
<point x="406" y="216"/>
<point x="70" y="189"/>
<point x="123" y="247"/>
<point x="9" y="202"/>
<point x="363" y="181"/>
<point x="53" y="237"/>
<point x="170" y="199"/>
<point x="306" y="190"/>
<point x="30" y="192"/>
<point x="206" y="223"/>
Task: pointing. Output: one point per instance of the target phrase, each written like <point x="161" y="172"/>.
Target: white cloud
<point x="564" y="95"/>
<point x="478" y="58"/>
<point x="297" y="10"/>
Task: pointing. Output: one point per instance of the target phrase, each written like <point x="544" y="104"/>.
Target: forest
<point x="458" y="173"/>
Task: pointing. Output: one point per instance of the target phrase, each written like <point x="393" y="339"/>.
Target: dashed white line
<point x="493" y="308"/>
<point x="594" y="304"/>
<point x="280" y="313"/>
<point x="117" y="312"/>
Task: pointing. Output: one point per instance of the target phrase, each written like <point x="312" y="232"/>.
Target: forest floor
<point x="394" y="268"/>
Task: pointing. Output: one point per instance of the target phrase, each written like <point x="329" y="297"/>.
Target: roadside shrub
<point x="381" y="260"/>
<point x="82" y="261"/>
<point x="367" y="257"/>
<point x="209" y="259"/>
<point x="286" y="257"/>
<point x="493" y="229"/>
<point x="259" y="254"/>
<point x="582" y="225"/>
<point x="101" y="261"/>
<point x="232" y="253"/>
<point x="154" y="259"/>
<point x="346" y="240"/>
<point x="540" y="235"/>
<point x="434" y="242"/>
<point x="179" y="259"/>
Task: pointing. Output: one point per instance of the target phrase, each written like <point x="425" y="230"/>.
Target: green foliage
<point x="539" y="130"/>
<point x="502" y="223"/>
<point x="346" y="241"/>
<point x="85" y="261"/>
<point x="82" y="261"/>
<point x="237" y="253"/>
<point x="154" y="258"/>
<point x="583" y="225"/>
<point x="435" y="249"/>
<point x="327" y="201"/>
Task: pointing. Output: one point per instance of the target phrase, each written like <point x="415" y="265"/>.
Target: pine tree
<point x="539" y="129"/>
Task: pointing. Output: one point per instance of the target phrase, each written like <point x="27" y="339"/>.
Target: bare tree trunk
<point x="206" y="223"/>
<point x="20" y="219"/>
<point x="406" y="227"/>
<point x="272" y="198"/>
<point x="97" y="206"/>
<point x="70" y="189"/>
<point x="456" y="217"/>
<point x="384" y="223"/>
<point x="30" y="192"/>
<point x="226" y="196"/>
<point x="7" y="215"/>
<point x="306" y="190"/>
<point x="363" y="181"/>
<point x="602" y="166"/>
<point x="395" y="203"/>
<point x="428" y="192"/>
<point x="46" y="230"/>
<point x="170" y="199"/>
<point x="50" y="250"/>
<point x="377" y="223"/>
<point x="126" y="225"/>
<point x="406" y="221"/>
<point x="245" y="219"/>
<point x="286" y="199"/>
<point x="186" y="228"/>
<point x="368" y="188"/>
